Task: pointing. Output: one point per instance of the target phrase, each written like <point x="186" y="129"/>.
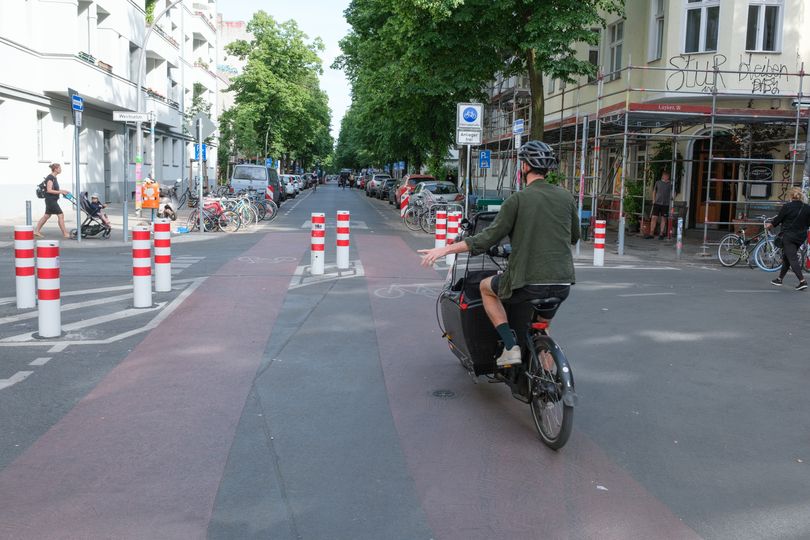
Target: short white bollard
<point x="141" y="267"/>
<point x="48" y="280"/>
<point x="24" y="266"/>
<point x="343" y="239"/>
<point x="317" y="244"/>
<point x="453" y="219"/>
<point x="163" y="254"/>
<point x="403" y="203"/>
<point x="441" y="228"/>
<point x="599" y="243"/>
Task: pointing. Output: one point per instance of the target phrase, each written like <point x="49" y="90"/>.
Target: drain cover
<point x="444" y="394"/>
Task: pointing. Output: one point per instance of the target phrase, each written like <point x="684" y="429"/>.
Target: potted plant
<point x="633" y="193"/>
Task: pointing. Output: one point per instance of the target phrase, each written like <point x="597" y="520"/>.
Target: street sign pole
<point x="153" y="170"/>
<point x="200" y="204"/>
<point x="77" y="106"/>
<point x="125" y="198"/>
<point x="467" y="183"/>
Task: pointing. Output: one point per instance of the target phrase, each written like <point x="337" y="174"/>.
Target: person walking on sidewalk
<point x="662" y="195"/>
<point x="52" y="193"/>
<point x="794" y="217"/>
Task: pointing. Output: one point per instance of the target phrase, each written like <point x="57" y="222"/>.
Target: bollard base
<point x="36" y="335"/>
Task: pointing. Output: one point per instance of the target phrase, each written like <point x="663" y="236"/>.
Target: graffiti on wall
<point x="696" y="73"/>
<point x="763" y="74"/>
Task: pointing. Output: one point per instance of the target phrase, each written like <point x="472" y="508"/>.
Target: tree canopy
<point x="411" y="61"/>
<point x="278" y="95"/>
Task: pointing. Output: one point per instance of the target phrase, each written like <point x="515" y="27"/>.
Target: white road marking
<point x="648" y="294"/>
<point x="14" y="379"/>
<point x="67" y="307"/>
<point x="58" y="346"/>
<point x="302" y="276"/>
<point x="287" y="212"/>
<point x="9" y="299"/>
<point x="332" y="224"/>
<point x="86" y="323"/>
<point x="40" y="361"/>
<point x="744" y="291"/>
<point x="665" y="336"/>
<point x="586" y="266"/>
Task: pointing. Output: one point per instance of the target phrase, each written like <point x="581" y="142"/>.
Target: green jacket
<point x="541" y="222"/>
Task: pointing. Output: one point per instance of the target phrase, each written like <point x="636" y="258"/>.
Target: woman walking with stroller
<point x="52" y="193"/>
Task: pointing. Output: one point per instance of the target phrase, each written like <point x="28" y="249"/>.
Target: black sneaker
<point x="661" y="237"/>
<point x="649" y="237"/>
<point x="777" y="282"/>
<point x="801" y="286"/>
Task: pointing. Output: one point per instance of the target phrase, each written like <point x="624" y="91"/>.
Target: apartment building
<point x="716" y="85"/>
<point x="93" y="47"/>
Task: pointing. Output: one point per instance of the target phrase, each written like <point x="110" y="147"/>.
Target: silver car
<point x="438" y="190"/>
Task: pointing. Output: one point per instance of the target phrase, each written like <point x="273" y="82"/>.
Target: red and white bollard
<point x="441" y="228"/>
<point x="599" y="243"/>
<point x="318" y="244"/>
<point x="163" y="254"/>
<point x="141" y="267"/>
<point x="24" y="266"/>
<point x="49" y="295"/>
<point x="343" y="242"/>
<point x="453" y="219"/>
<point x="403" y="203"/>
<point x="268" y="193"/>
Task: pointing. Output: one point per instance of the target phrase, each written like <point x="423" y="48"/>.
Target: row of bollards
<point x="318" y="241"/>
<point x="38" y="278"/>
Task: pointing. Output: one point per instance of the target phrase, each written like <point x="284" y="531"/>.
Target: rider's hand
<point x="429" y="256"/>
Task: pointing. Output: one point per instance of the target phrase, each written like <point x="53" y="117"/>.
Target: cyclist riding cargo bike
<point x="496" y="315"/>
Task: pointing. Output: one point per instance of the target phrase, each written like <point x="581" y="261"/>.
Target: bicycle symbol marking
<point x="470" y="114"/>
<point x="396" y="290"/>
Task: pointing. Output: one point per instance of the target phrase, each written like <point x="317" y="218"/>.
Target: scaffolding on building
<point x="732" y="154"/>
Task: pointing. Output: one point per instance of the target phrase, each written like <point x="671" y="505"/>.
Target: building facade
<point x="94" y="47"/>
<point x="714" y="91"/>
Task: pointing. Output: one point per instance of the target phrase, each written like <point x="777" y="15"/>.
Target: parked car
<point x="386" y="186"/>
<point x="288" y="182"/>
<point x="245" y="177"/>
<point x="409" y="182"/>
<point x="297" y="182"/>
<point x="374" y="184"/>
<point x="438" y="190"/>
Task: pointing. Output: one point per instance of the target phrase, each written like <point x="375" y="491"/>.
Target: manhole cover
<point x="444" y="394"/>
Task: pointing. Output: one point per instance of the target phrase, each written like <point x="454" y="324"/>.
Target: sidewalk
<point x="114" y="211"/>
<point x="636" y="249"/>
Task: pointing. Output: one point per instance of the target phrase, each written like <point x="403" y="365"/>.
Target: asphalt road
<point x="256" y="401"/>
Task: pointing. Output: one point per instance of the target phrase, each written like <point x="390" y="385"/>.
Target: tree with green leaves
<point x="279" y="105"/>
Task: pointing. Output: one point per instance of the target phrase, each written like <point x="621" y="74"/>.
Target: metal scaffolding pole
<point x="704" y="248"/>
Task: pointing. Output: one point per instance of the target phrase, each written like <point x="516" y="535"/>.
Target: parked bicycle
<point x="736" y="247"/>
<point x="215" y="218"/>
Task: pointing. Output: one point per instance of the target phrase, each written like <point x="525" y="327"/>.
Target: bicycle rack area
<point x="732" y="139"/>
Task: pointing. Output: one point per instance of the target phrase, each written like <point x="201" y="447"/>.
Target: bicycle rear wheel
<point x="271" y="210"/>
<point x="730" y="250"/>
<point x="553" y="417"/>
<point x="229" y="221"/>
<point x="768" y="257"/>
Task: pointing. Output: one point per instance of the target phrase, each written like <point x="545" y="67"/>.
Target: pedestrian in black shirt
<point x="52" y="193"/>
<point x="795" y="220"/>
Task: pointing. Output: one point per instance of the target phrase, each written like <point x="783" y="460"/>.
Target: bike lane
<point x="142" y="455"/>
<point x="479" y="468"/>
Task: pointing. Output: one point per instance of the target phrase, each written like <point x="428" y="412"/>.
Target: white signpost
<point x="469" y="133"/>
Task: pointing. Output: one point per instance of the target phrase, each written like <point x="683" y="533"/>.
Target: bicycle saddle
<point x="545" y="303"/>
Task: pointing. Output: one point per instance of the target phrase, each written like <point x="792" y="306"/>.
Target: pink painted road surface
<point x="142" y="455"/>
<point x="479" y="468"/>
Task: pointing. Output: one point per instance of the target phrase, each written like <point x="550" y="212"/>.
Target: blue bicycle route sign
<point x="470" y="114"/>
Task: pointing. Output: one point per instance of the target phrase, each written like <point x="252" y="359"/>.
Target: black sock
<point x="506" y="334"/>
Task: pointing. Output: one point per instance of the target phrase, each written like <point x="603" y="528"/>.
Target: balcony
<point x="166" y="110"/>
<point x="165" y="35"/>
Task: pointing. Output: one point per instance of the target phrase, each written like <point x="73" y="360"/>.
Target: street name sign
<point x="128" y="116"/>
<point x="470" y="137"/>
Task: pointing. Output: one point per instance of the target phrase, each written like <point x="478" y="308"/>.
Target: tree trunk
<point x="537" y="128"/>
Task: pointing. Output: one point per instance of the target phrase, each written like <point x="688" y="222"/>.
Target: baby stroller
<point x="92" y="226"/>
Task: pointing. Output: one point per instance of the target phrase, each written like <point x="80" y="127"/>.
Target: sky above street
<point x="321" y="18"/>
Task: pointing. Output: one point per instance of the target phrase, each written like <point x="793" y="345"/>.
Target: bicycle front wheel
<point x="229" y="221"/>
<point x="548" y="373"/>
<point x="411" y="219"/>
<point x="730" y="250"/>
<point x="271" y="209"/>
<point x="768" y="257"/>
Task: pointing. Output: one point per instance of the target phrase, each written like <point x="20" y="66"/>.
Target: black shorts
<point x="52" y="207"/>
<point x="660" y="210"/>
<point x="530" y="292"/>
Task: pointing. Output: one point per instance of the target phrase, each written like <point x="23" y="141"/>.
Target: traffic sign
<point x="268" y="162"/>
<point x="471" y="137"/>
<point x="77" y="118"/>
<point x="77" y="102"/>
<point x="197" y="152"/>
<point x="518" y="142"/>
<point x="470" y="116"/>
<point x="208" y="126"/>
<point x="517" y="127"/>
<point x="127" y="116"/>
<point x="401" y="165"/>
<point x="484" y="161"/>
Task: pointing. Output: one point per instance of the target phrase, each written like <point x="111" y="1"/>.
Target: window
<point x="616" y="37"/>
<point x="656" y="30"/>
<point x="552" y="84"/>
<point x="167" y="151"/>
<point x="702" y="22"/>
<point x="175" y="154"/>
<point x="593" y="54"/>
<point x="764" y="29"/>
<point x="41" y="116"/>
